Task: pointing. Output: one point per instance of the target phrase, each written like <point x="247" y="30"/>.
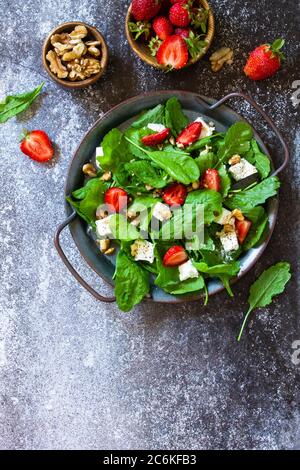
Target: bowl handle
<point x="70" y="267"/>
<point x="267" y="119"/>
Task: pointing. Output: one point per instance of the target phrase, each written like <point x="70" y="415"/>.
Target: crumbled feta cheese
<point x="142" y="250"/>
<point x="229" y="241"/>
<point x="99" y="152"/>
<point x="225" y="217"/>
<point x="187" y="271"/>
<point x="156" y="127"/>
<point x="161" y="212"/>
<point x="207" y="130"/>
<point x="204" y="152"/>
<point x="242" y="170"/>
<point x="103" y="228"/>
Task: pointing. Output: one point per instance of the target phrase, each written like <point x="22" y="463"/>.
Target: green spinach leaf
<point x="237" y="141"/>
<point x="270" y="283"/>
<point x="211" y="201"/>
<point x="114" y="149"/>
<point x="15" y="104"/>
<point x="175" y="119"/>
<point x="143" y="170"/>
<point x="258" y="159"/>
<point x="154" y="115"/>
<point x="121" y="229"/>
<point x="249" y="198"/>
<point x="259" y="219"/>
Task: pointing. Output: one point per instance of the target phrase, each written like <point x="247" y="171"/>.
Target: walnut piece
<point x="94" y="51"/>
<point x="62" y="38"/>
<point x="56" y="66"/>
<point x="79" y="32"/>
<point x="221" y="57"/>
<point x="234" y="159"/>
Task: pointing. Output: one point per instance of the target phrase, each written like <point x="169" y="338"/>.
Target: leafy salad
<point x="180" y="201"/>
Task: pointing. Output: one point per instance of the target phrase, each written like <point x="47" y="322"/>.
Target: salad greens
<point x="230" y="221"/>
<point x="16" y="104"/>
<point x="270" y="283"/>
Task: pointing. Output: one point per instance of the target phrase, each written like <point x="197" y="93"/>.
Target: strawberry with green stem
<point x="265" y="60"/>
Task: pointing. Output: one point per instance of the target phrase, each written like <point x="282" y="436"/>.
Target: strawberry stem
<point x="276" y="46"/>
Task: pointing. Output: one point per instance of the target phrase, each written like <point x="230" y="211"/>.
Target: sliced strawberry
<point x="179" y="15"/>
<point x="211" y="180"/>
<point x="190" y="134"/>
<point x="173" y="52"/>
<point x="117" y="198"/>
<point x="37" y="146"/>
<point x="155" y="139"/>
<point x="162" y="27"/>
<point x="183" y="32"/>
<point x="175" y="256"/>
<point x="242" y="228"/>
<point x="174" y="194"/>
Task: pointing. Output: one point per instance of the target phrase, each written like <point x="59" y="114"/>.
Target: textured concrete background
<point x="78" y="374"/>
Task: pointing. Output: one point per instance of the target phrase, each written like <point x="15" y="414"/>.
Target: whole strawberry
<point x="179" y="15"/>
<point x="265" y="60"/>
<point x="162" y="27"/>
<point x="145" y="9"/>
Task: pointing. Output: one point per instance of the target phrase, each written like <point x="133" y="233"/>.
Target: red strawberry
<point x="242" y="228"/>
<point x="162" y="27"/>
<point x="37" y="146"/>
<point x="155" y="139"/>
<point x="190" y="134"/>
<point x="183" y="32"/>
<point x="117" y="198"/>
<point x="265" y="60"/>
<point x="175" y="256"/>
<point x="145" y="9"/>
<point x="179" y="15"/>
<point x="211" y="180"/>
<point x="174" y="194"/>
<point x="178" y="1"/>
<point x="173" y="52"/>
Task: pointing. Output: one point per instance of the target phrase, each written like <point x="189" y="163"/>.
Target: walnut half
<point x="56" y="66"/>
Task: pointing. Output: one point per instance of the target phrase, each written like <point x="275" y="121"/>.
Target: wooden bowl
<point x="143" y="51"/>
<point x="93" y="34"/>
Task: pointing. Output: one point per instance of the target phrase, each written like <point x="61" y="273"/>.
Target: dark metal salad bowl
<point x="121" y="116"/>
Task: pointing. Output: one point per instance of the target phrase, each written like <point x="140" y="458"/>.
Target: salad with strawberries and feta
<point x="177" y="202"/>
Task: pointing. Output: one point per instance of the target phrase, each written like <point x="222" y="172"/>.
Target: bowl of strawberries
<point x="170" y="34"/>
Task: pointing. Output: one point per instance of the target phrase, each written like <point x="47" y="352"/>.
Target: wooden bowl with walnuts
<point x="197" y="35"/>
<point x="75" y="54"/>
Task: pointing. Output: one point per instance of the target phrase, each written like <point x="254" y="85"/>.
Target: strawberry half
<point x="174" y="194"/>
<point x="179" y="15"/>
<point x="155" y="139"/>
<point x="242" y="228"/>
<point x="173" y="53"/>
<point x="162" y="27"/>
<point x="175" y="256"/>
<point x="37" y="146"/>
<point x="117" y="198"/>
<point x="145" y="9"/>
<point x="265" y="60"/>
<point x="190" y="134"/>
<point x="211" y="180"/>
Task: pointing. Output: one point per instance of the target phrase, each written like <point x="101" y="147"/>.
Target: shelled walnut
<point x="221" y="57"/>
<point x="72" y="57"/>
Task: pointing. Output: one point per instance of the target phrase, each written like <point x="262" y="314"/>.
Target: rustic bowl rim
<point x="150" y="60"/>
<point x="93" y="32"/>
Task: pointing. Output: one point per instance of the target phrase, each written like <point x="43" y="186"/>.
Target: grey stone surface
<point x="77" y="374"/>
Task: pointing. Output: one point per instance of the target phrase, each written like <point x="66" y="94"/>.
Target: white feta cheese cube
<point x="225" y="217"/>
<point x="142" y="250"/>
<point x="229" y="241"/>
<point x="207" y="129"/>
<point x="156" y="127"/>
<point x="187" y="271"/>
<point x="99" y="152"/>
<point x="102" y="227"/>
<point x="161" y="212"/>
<point x="242" y="170"/>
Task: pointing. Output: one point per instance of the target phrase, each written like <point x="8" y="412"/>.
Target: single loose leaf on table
<point x="15" y="104"/>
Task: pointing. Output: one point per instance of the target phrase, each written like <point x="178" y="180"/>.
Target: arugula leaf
<point x="259" y="159"/>
<point x="230" y="269"/>
<point x="155" y="115"/>
<point x="121" y="229"/>
<point x="187" y="222"/>
<point x="15" y="104"/>
<point x="90" y="197"/>
<point x="114" y="149"/>
<point x="249" y="198"/>
<point x="214" y="265"/>
<point x="175" y="119"/>
<point x="133" y="138"/>
<point x="205" y="161"/>
<point x="144" y="171"/>
<point x="270" y="283"/>
<point x="259" y="219"/>
<point x="225" y="180"/>
<point x="180" y="166"/>
<point x="237" y="141"/>
<point x="199" y="144"/>
<point x="211" y="201"/>
<point x="131" y="282"/>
